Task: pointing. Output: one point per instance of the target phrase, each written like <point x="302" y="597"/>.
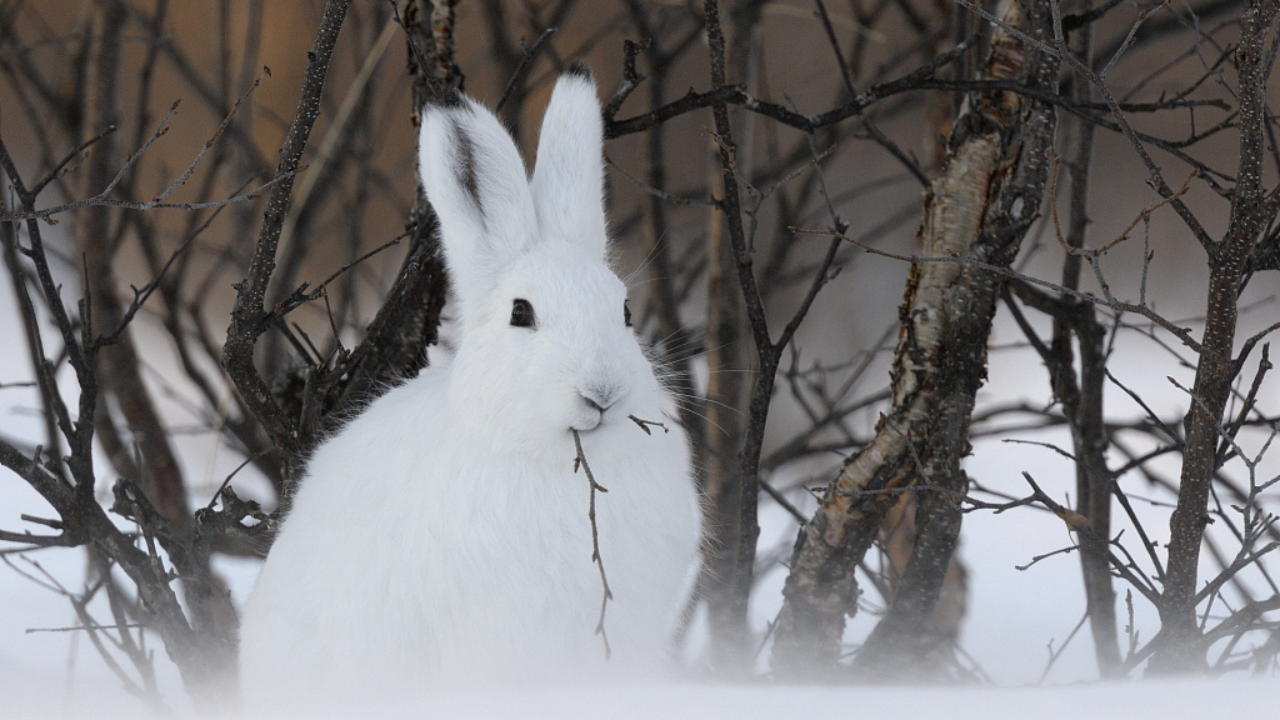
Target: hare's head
<point x="545" y="342"/>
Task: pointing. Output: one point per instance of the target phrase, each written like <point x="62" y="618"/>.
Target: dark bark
<point x="1251" y="211"/>
<point x="1082" y="398"/>
<point x="1093" y="479"/>
<point x="728" y="491"/>
<point x="302" y="405"/>
<point x="395" y="343"/>
<point x="250" y="319"/>
<point x="118" y="363"/>
<point x="919" y="79"/>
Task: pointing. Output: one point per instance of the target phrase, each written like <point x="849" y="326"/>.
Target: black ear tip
<point x="579" y="69"/>
<point x="448" y="99"/>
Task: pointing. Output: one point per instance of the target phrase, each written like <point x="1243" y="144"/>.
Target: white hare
<point x="442" y="535"/>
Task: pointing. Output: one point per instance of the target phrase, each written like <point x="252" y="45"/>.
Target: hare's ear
<point x="568" y="178"/>
<point x="476" y="182"/>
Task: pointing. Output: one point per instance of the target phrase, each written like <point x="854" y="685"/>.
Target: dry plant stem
<point x="395" y="343"/>
<point x="661" y="315"/>
<point x="101" y="200"/>
<point x="980" y="207"/>
<point x="1153" y="29"/>
<point x="1082" y="406"/>
<point x="512" y="59"/>
<point x="323" y="173"/>
<point x="205" y="662"/>
<point x="1109" y="301"/>
<point x="124" y="181"/>
<point x="100" y="574"/>
<point x="1124" y="567"/>
<point x="1082" y="398"/>
<point x="728" y="487"/>
<point x="606" y="594"/>
<point x="201" y="652"/>
<point x="54" y="416"/>
<point x="732" y="489"/>
<point x="1216" y="370"/>
<point x="1156" y="177"/>
<point x="118" y="363"/>
<point x="78" y="431"/>
<point x="918" y="79"/>
<point x="249" y="319"/>
<point x="521" y="70"/>
<point x="199" y="643"/>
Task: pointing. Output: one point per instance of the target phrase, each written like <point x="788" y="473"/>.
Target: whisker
<point x="645" y="262"/>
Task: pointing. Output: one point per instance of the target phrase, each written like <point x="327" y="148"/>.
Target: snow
<point x="1163" y="699"/>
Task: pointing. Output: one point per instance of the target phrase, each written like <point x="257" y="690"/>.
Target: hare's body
<point x="443" y="535"/>
<point x="432" y="587"/>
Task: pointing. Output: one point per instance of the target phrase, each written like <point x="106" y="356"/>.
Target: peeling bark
<point x="979" y="209"/>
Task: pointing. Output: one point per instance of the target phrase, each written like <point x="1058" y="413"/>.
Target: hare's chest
<point x="507" y="560"/>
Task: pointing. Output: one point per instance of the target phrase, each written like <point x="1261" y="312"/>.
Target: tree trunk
<point x="975" y="217"/>
<point x="1180" y="648"/>
<point x="729" y="490"/>
<point x="1082" y="400"/>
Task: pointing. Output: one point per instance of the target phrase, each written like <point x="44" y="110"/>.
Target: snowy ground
<point x="1165" y="700"/>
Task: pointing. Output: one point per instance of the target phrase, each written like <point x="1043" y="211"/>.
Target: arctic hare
<point x="443" y="535"/>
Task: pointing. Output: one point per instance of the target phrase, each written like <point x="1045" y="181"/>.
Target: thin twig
<point x="607" y="594"/>
<point x="522" y="69"/>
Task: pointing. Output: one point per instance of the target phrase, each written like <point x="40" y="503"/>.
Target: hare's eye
<point x="626" y="313"/>
<point x="521" y="314"/>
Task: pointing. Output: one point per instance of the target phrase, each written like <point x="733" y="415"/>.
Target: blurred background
<point x="205" y="93"/>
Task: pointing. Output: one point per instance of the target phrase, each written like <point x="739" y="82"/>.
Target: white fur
<point x="442" y="535"/>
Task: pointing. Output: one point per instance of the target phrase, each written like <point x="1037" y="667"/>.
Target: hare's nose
<point x="600" y="398"/>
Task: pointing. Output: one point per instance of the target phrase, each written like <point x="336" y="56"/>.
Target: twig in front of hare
<point x="644" y="425"/>
<point x="581" y="460"/>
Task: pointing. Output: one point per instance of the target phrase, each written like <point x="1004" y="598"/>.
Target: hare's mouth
<point x="592" y="409"/>
<point x="588" y="422"/>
